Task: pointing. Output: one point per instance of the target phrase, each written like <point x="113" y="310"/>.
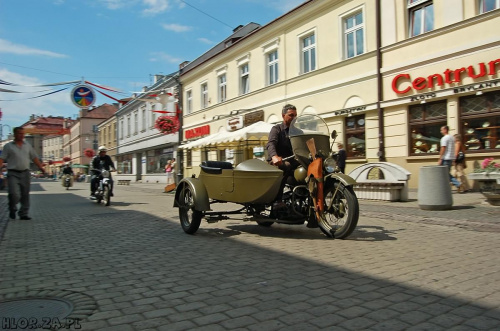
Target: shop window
<point x="355" y="136"/>
<point x="353" y="30"/>
<point x="480" y="118"/>
<point x="426" y="121"/>
<point x="156" y="161"/>
<point x="488" y="5"/>
<point x="421" y="14"/>
<point x="124" y="164"/>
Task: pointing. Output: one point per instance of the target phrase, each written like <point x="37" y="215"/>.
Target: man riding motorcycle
<point x="99" y="162"/>
<point x="67" y="170"/>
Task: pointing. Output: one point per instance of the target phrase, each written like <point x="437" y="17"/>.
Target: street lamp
<point x="1" y="134"/>
<point x="95" y="129"/>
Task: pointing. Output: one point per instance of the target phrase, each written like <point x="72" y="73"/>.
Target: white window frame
<point x="153" y="115"/>
<point x="482" y="4"/>
<point x="347" y="31"/>
<point x="144" y="119"/>
<point x="272" y="71"/>
<point x="413" y="7"/>
<point x="189" y="101"/>
<point x="204" y="94"/>
<point x="136" y="123"/>
<point x="122" y="125"/>
<point x="268" y="49"/>
<point x="244" y="71"/>
<point x="222" y="88"/>
<point x="128" y="125"/>
<point x="308" y="49"/>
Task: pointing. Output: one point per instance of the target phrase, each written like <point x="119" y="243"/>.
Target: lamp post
<point x="1" y="134"/>
<point x="95" y="129"/>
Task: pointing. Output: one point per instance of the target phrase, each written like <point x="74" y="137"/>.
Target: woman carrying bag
<point x="460" y="165"/>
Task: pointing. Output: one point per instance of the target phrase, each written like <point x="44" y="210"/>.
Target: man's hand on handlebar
<point x="276" y="160"/>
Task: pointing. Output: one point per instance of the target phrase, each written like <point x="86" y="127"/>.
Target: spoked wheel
<point x="341" y="211"/>
<point x="106" y="196"/>
<point x="190" y="218"/>
<point x="98" y="196"/>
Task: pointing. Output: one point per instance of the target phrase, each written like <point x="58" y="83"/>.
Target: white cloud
<point x="164" y="57"/>
<point x="176" y="27"/>
<point x="11" y="48"/>
<point x="206" y="41"/>
<point x="155" y="7"/>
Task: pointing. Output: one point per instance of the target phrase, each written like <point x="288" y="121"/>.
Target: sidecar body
<point x="252" y="181"/>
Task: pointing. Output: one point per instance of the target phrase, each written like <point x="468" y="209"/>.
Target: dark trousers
<point x="19" y="191"/>
<point x="94" y="183"/>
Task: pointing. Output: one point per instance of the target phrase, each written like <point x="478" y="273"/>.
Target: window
<point x="222" y="88"/>
<point x="272" y="68"/>
<point x="156" y="161"/>
<point x="244" y="79"/>
<point x="122" y="124"/>
<point x="144" y="125"/>
<point x="189" y="158"/>
<point x="110" y="133"/>
<point x="204" y="95"/>
<point x="355" y="136"/>
<point x="136" y="123"/>
<point x="488" y="5"/>
<point x="308" y="53"/>
<point x="421" y="13"/>
<point x="480" y="118"/>
<point x="153" y="115"/>
<point x="354" y="39"/>
<point x="128" y="126"/>
<point x="189" y="102"/>
<point x="114" y="131"/>
<point x="124" y="164"/>
<point x="426" y="121"/>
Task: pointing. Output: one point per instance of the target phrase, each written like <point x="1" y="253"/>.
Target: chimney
<point x="183" y="64"/>
<point x="157" y="78"/>
<point x="237" y="28"/>
<point x="83" y="112"/>
<point x="145" y="88"/>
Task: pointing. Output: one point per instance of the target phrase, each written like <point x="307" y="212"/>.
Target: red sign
<point x="403" y="83"/>
<point x="197" y="132"/>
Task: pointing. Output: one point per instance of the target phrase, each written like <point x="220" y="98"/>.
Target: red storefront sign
<point x="403" y="83"/>
<point x="197" y="132"/>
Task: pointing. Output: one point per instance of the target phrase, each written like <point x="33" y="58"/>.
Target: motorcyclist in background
<point x="67" y="170"/>
<point x="100" y="162"/>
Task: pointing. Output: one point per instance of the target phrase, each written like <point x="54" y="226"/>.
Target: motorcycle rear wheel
<point x="189" y="217"/>
<point x="106" y="196"/>
<point x="341" y="219"/>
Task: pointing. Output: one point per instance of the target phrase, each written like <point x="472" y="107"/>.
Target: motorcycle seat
<point x="215" y="167"/>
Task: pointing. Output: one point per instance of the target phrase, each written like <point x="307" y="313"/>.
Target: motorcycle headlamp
<point x="105" y="173"/>
<point x="300" y="174"/>
<point x="330" y="164"/>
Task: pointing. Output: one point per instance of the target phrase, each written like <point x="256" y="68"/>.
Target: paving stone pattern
<point x="396" y="271"/>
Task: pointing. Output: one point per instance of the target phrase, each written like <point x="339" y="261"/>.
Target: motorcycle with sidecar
<point x="322" y="196"/>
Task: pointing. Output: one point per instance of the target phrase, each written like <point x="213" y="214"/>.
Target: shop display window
<point x="480" y="118"/>
<point x="426" y="121"/>
<point x="124" y="164"/>
<point x="355" y="136"/>
<point x="156" y="161"/>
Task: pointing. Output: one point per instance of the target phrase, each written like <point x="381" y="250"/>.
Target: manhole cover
<point x="36" y="308"/>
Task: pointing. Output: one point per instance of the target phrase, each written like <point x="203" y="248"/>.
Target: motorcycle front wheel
<point x="190" y="218"/>
<point x="106" y="196"/>
<point x="341" y="211"/>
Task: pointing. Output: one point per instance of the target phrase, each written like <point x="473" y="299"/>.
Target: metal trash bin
<point x="434" y="191"/>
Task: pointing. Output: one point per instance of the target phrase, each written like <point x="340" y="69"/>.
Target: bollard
<point x="434" y="191"/>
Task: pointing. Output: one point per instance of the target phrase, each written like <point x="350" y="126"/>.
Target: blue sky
<point x="117" y="43"/>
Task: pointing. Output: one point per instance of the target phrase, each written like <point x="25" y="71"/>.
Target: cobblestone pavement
<point x="130" y="267"/>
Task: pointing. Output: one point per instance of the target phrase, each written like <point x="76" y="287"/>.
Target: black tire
<point x="98" y="196"/>
<point x="189" y="217"/>
<point x="265" y="224"/>
<point x="67" y="188"/>
<point x="106" y="196"/>
<point x="340" y="218"/>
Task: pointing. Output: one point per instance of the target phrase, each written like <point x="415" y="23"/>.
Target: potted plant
<point x="488" y="176"/>
<point x="167" y="124"/>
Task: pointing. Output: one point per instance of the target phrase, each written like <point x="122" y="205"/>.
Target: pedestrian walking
<point x="19" y="154"/>
<point x="447" y="154"/>
<point x="341" y="157"/>
<point x="169" y="172"/>
<point x="460" y="164"/>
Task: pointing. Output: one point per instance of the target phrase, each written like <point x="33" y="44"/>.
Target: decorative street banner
<point x="83" y="96"/>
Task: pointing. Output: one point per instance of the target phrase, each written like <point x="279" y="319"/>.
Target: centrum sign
<point x="404" y="83"/>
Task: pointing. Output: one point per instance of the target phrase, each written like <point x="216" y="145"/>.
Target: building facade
<point x="143" y="150"/>
<point x="385" y="74"/>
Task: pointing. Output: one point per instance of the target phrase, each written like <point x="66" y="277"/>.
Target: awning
<point x="255" y="131"/>
<point x="79" y="166"/>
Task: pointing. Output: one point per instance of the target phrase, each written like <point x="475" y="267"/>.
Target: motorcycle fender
<point x="345" y="179"/>
<point x="200" y="194"/>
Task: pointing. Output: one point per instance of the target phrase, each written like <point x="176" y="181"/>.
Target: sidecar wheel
<point x="190" y="218"/>
<point x="266" y="224"/>
<point x="339" y="220"/>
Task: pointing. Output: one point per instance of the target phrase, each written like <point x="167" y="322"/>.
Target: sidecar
<point x="252" y="181"/>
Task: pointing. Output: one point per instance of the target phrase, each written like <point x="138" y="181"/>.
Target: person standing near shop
<point x="460" y="164"/>
<point x="169" y="171"/>
<point x="19" y="154"/>
<point x="447" y="154"/>
<point x="341" y="157"/>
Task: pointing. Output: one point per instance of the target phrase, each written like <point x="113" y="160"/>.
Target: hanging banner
<point x="83" y="96"/>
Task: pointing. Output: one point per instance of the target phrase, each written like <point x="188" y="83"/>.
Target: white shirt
<point x="449" y="143"/>
<point x="18" y="158"/>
